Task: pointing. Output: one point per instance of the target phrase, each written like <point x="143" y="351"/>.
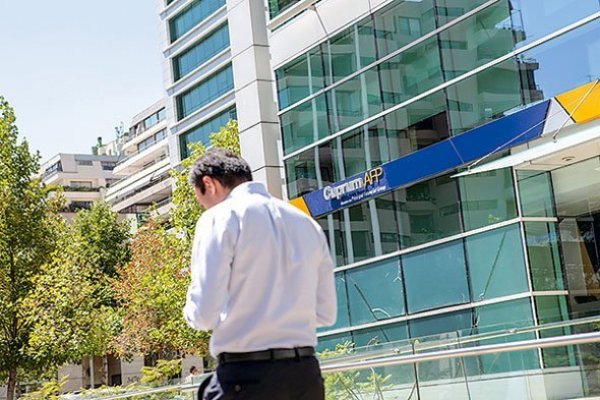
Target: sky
<point x="74" y="69"/>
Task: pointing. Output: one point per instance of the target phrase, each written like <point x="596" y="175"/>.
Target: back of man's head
<point x="222" y="165"/>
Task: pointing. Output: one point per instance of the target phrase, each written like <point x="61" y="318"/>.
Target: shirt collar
<point x="249" y="188"/>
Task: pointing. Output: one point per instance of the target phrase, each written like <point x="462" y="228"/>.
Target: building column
<point x="254" y="91"/>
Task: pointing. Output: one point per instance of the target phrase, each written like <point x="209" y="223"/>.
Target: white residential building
<point x="83" y="177"/>
<point x="144" y="166"/>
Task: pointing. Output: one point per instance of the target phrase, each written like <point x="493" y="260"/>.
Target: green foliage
<point x="352" y="385"/>
<point x="187" y="211"/>
<point x="50" y="390"/>
<point x="152" y="287"/>
<point x="151" y="291"/>
<point x="27" y="240"/>
<point x="71" y="307"/>
<point x="162" y="373"/>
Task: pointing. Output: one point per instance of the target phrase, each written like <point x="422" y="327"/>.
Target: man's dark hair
<point x="220" y="164"/>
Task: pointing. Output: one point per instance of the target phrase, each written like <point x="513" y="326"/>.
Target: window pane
<point x="209" y="46"/>
<point x="477" y="40"/>
<point x="496" y="264"/>
<point x="356" y="99"/>
<point x="300" y="78"/>
<point x="504" y="316"/>
<point x="417" y="125"/>
<point x="580" y="250"/>
<point x="305" y="124"/>
<point x="375" y="292"/>
<point x="192" y="15"/>
<point x="379" y="335"/>
<point x="554" y="309"/>
<point x="445" y="326"/>
<point x="402" y="23"/>
<point x="351" y="49"/>
<point x="361" y="231"/>
<point x="201" y="133"/>
<point x="436" y="277"/>
<point x="363" y="148"/>
<point x="410" y="73"/>
<point x="428" y="211"/>
<point x="486" y="96"/>
<point x="535" y="190"/>
<point x="487" y="198"/>
<point x="544" y="256"/>
<point x="205" y="92"/>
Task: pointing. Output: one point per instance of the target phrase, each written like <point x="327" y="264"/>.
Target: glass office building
<point x="198" y="76"/>
<point x="384" y="124"/>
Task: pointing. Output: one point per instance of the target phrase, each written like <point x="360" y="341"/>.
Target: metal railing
<point x="435" y="350"/>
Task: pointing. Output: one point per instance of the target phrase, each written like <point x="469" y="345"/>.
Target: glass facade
<point x="204" y="92"/>
<point x="202" y="132"/>
<point x="198" y="54"/>
<point x="447" y="257"/>
<point x="276" y="7"/>
<point x="196" y="12"/>
<point x="321" y="95"/>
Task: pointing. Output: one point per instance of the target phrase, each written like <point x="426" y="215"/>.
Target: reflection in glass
<point x="436" y="277"/>
<point x="487" y="198"/>
<point x="428" y="211"/>
<point x="496" y="264"/>
<point x="533" y="19"/>
<point x="305" y="124"/>
<point x="502" y="316"/>
<point x="544" y="256"/>
<point x="535" y="191"/>
<point x="376" y="293"/>
<point x="417" y="125"/>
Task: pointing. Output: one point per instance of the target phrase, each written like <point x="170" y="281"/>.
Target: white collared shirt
<point x="262" y="275"/>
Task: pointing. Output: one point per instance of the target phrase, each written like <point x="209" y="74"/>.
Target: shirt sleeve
<point x="212" y="256"/>
<point x="326" y="296"/>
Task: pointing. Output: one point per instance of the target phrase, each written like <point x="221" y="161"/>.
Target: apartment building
<point x="84" y="178"/>
<point x="144" y="184"/>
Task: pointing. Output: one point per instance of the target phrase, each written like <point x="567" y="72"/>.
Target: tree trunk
<point x="12" y="383"/>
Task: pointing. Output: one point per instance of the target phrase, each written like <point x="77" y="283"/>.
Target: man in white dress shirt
<point x="262" y="281"/>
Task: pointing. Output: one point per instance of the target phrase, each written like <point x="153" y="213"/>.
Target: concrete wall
<point x="131" y="371"/>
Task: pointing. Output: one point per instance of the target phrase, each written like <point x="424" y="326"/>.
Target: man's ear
<point x="208" y="183"/>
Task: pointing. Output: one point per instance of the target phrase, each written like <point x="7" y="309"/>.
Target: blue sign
<point x="433" y="160"/>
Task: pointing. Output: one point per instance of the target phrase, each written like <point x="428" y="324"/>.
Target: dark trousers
<point x="270" y="380"/>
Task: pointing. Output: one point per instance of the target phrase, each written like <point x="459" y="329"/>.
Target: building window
<point x="80" y="184"/>
<point x="375" y="292"/>
<point x="496" y="263"/>
<point x="108" y="165"/>
<point x="75" y="206"/>
<point x="85" y="163"/>
<point x="436" y="277"/>
<point x="276" y="7"/>
<point x="201" y="133"/>
<point x="205" y="92"/>
<point x="54" y="168"/>
<point x="197" y="55"/>
<point x="191" y="16"/>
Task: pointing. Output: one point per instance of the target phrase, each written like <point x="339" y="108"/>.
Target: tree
<point x="187" y="210"/>
<point x="27" y="240"/>
<point x="151" y="291"/>
<point x="72" y="306"/>
<point x="152" y="287"/>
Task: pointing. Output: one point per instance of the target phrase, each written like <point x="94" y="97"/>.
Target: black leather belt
<point x="267" y="355"/>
